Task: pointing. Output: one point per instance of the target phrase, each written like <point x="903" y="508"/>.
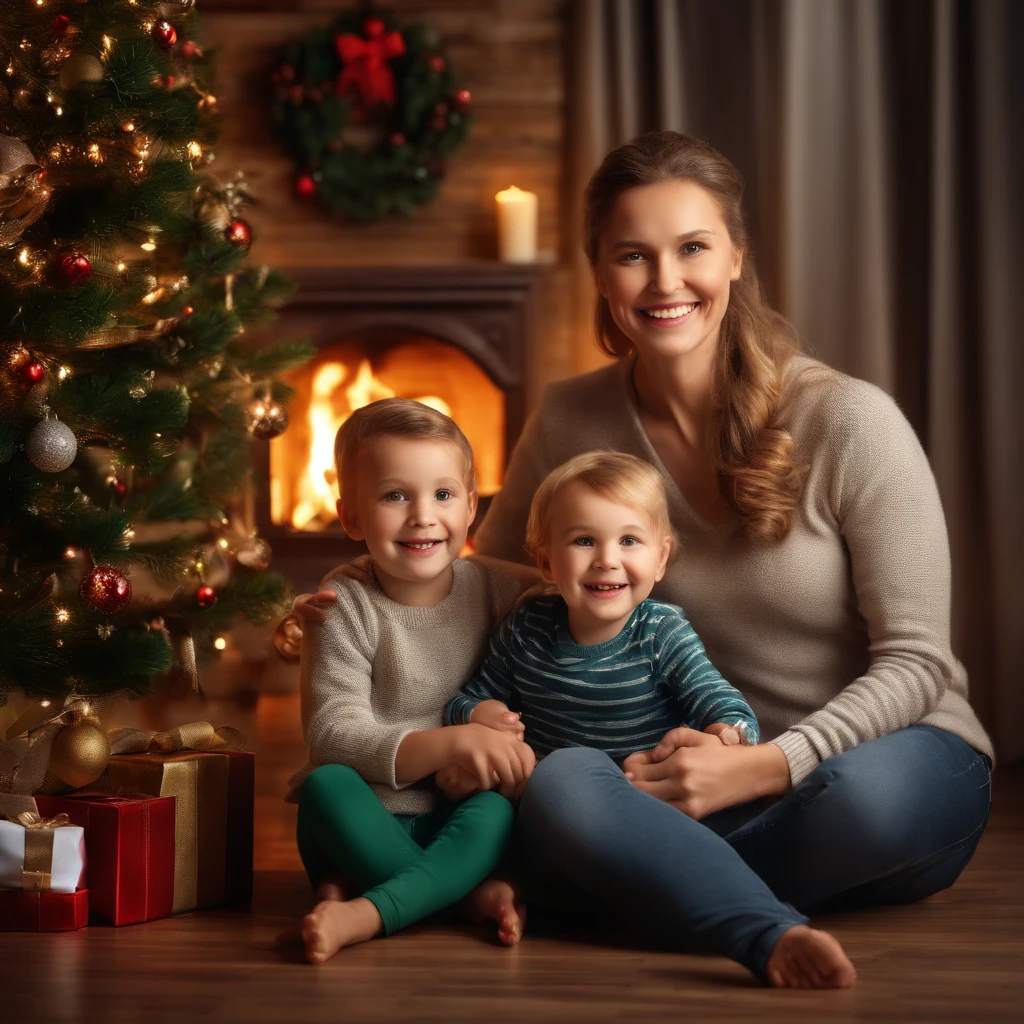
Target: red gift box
<point x="238" y="873"/>
<point x="43" y="911"/>
<point x="130" y="845"/>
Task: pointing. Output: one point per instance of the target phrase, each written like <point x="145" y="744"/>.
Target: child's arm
<point x="492" y="684"/>
<point x="706" y="700"/>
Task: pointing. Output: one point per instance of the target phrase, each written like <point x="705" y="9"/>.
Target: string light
<point x="108" y="45"/>
<point x="94" y="153"/>
<point x="195" y="150"/>
<point x="44" y="703"/>
<point x="220" y="643"/>
<point x="23" y="257"/>
<point x="63" y="615"/>
<point x="223" y="543"/>
<point x="121" y="266"/>
<point x="128" y="126"/>
<point x="148" y="246"/>
<point x="63" y="373"/>
<point x="70" y="552"/>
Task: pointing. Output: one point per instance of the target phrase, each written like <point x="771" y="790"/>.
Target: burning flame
<point x="315" y="503"/>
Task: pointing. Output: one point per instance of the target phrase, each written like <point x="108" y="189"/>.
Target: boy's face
<point x="413" y="508"/>
<point x="604" y="558"/>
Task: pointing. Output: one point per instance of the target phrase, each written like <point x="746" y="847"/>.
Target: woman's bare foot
<point x="332" y="925"/>
<point x="807" y="958"/>
<point x="496" y="899"/>
<point x="331" y="888"/>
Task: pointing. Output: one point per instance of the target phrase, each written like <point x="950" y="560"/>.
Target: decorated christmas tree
<point x="129" y="395"/>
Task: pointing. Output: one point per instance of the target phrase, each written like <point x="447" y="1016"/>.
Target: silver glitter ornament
<point x="254" y="553"/>
<point x="51" y="446"/>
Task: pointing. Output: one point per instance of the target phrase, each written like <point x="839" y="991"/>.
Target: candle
<point x="517" y="225"/>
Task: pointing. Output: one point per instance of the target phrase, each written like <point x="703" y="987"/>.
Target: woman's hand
<point x="309" y="607"/>
<point x="535" y="590"/>
<point x="313" y="607"/>
<point x="698" y="774"/>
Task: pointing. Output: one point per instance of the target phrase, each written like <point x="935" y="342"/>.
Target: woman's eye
<point x="443" y="495"/>
<point x="692" y="248"/>
<point x="633" y="257"/>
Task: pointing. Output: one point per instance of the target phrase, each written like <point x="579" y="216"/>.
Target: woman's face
<point x="665" y="264"/>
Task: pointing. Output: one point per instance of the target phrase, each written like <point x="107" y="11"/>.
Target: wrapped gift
<point x="43" y="911"/>
<point x="41" y="854"/>
<point x="130" y="842"/>
<point x="199" y="783"/>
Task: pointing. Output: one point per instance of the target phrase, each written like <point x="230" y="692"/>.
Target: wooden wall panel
<point x="508" y="53"/>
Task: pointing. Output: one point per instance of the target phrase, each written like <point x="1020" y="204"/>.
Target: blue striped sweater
<point x="619" y="696"/>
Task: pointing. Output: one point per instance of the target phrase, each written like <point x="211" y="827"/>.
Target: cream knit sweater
<point x="377" y="670"/>
<point x="840" y="633"/>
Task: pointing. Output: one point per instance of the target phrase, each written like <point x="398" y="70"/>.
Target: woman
<point x="813" y="563"/>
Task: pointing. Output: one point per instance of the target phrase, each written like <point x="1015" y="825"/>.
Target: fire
<point x="314" y="507"/>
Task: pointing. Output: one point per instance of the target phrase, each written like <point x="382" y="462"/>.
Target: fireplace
<point x="454" y="337"/>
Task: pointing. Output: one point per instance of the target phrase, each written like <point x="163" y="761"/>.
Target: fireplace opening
<point x="364" y="367"/>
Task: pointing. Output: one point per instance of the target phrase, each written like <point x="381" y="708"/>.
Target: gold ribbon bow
<point x="194" y="736"/>
<point x="38" y="864"/>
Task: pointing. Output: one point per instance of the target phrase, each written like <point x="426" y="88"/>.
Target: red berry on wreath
<point x="105" y="590"/>
<point x="396" y="139"/>
<point x="60" y="24"/>
<point x="33" y="372"/>
<point x="165" y="34"/>
<point x="238" y="232"/>
<point x="373" y="28"/>
<point x="437" y="63"/>
<point x="73" y="268"/>
<point x="461" y="99"/>
<point x="305" y="186"/>
<point x="206" y="596"/>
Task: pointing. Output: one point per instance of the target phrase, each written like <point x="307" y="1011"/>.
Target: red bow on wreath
<point x="365" y="68"/>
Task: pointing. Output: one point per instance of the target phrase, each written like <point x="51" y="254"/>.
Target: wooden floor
<point x="956" y="957"/>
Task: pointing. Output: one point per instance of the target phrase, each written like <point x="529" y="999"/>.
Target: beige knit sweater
<point x="840" y="633"/>
<point x="377" y="670"/>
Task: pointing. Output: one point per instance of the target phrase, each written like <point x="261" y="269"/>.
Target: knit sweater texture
<point x="377" y="670"/>
<point x="836" y="635"/>
<point x="618" y="696"/>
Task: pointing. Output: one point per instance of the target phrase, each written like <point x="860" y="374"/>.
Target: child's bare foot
<point x="332" y="925"/>
<point x="807" y="958"/>
<point x="496" y="899"/>
<point x="331" y="888"/>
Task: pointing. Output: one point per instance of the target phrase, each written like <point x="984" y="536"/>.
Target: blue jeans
<point x="891" y="821"/>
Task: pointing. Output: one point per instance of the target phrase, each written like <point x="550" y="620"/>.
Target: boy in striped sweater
<point x="600" y="664"/>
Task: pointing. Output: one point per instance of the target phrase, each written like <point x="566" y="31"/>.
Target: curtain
<point x="878" y="140"/>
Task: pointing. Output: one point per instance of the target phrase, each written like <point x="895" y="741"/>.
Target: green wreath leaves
<point x="370" y="112"/>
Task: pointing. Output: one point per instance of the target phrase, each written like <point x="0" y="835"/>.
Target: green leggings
<point x="407" y="866"/>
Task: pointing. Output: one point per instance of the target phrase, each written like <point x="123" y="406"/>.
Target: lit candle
<point x="517" y="225"/>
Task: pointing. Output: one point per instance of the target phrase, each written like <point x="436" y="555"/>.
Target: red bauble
<point x="60" y="24"/>
<point x="238" y="232"/>
<point x="436" y="63"/>
<point x="105" y="590"/>
<point x="74" y="268"/>
<point x="187" y="310"/>
<point x="305" y="186"/>
<point x="33" y="372"/>
<point x="461" y="99"/>
<point x="165" y="34"/>
<point x="373" y="28"/>
<point x="120" y="487"/>
<point x="396" y="139"/>
<point x="190" y="50"/>
<point x="206" y="596"/>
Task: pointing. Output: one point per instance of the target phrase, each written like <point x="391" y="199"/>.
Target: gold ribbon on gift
<point x="194" y="736"/>
<point x="38" y="862"/>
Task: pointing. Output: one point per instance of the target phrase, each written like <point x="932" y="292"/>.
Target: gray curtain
<point x="879" y="140"/>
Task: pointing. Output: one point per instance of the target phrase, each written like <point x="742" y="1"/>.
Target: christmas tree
<point x="128" y="393"/>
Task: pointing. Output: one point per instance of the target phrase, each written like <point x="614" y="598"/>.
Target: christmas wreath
<point x="370" y="112"/>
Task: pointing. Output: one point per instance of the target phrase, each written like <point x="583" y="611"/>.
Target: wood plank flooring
<point x="956" y="957"/>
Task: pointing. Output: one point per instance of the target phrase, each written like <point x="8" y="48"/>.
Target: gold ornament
<point x="80" y="753"/>
<point x="79" y="68"/>
<point x="23" y="196"/>
<point x="267" y="419"/>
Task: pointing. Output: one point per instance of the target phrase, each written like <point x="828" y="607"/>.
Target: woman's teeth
<point x="672" y="313"/>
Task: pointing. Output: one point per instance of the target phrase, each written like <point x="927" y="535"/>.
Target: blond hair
<point x="760" y="473"/>
<point x="394" y="417"/>
<point x="619" y="477"/>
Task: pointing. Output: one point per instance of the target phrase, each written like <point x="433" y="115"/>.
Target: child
<point x="409" y="625"/>
<point x="600" y="664"/>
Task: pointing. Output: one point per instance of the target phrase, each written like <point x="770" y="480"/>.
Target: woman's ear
<point x="349" y="521"/>
<point x="599" y="283"/>
<point x="737" y="263"/>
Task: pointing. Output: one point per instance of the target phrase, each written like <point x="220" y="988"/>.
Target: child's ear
<point x="544" y="564"/>
<point x="473" y="499"/>
<point x="349" y="521"/>
<point x="666" y="553"/>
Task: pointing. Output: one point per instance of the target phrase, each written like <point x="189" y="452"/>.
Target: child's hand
<point x="288" y="638"/>
<point x="456" y="783"/>
<point x="728" y="734"/>
<point x="496" y="715"/>
<point x="494" y="759"/>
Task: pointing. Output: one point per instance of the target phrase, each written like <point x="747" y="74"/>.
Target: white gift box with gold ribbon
<point x="41" y="855"/>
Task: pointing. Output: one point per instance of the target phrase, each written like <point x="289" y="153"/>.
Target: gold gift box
<point x="199" y="783"/>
